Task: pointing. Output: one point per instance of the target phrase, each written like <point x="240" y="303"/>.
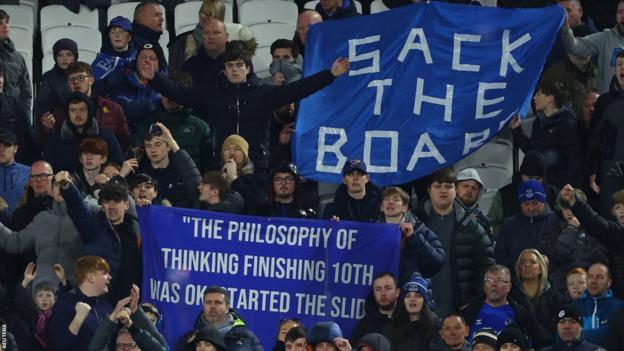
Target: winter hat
<point x="531" y="190"/>
<point x="238" y="141"/>
<point x="65" y="44"/>
<point x="96" y="146"/>
<point x="570" y="311"/>
<point x="511" y="334"/>
<point x="533" y="164"/>
<point x="484" y="336"/>
<point x="352" y="165"/>
<point x="323" y="332"/>
<point x="469" y="174"/>
<point x="122" y="23"/>
<point x="375" y="341"/>
<point x="211" y="335"/>
<point x="418" y="284"/>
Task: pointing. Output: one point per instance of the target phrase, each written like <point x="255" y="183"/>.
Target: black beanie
<point x="533" y="164"/>
<point x="512" y="335"/>
<point x="65" y="44"/>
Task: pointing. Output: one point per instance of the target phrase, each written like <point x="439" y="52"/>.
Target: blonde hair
<point x="543" y="277"/>
<point x="213" y="8"/>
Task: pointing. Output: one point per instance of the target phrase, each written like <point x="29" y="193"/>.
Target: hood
<point x="8" y="45"/>
<point x="564" y="113"/>
<point x="614" y="87"/>
<point x="375" y="341"/>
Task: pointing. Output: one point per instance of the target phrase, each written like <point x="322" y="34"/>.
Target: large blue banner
<point x="273" y="268"/>
<point x="428" y="84"/>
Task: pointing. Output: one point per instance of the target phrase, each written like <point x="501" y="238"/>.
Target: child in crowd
<point x="116" y="53"/>
<point x="576" y="281"/>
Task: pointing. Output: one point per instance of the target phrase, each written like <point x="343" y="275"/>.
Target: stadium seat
<point x="164" y="41"/>
<point x="261" y="62"/>
<point x="186" y="16"/>
<point x="23" y="39"/>
<point x="22" y="16"/>
<point x="268" y="11"/>
<point x="311" y="5"/>
<point x="54" y="16"/>
<point x="267" y="33"/>
<point x="485" y="200"/>
<point x="493" y="162"/>
<point x="126" y="9"/>
<point x="88" y="39"/>
<point x="237" y="31"/>
<point x="378" y="6"/>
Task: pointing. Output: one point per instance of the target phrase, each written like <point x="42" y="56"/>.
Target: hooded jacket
<point x="245" y="109"/>
<point x="558" y="138"/>
<point x="16" y="78"/>
<point x="521" y="232"/>
<point x="53" y="91"/>
<point x="236" y="335"/>
<point x="62" y="149"/>
<point x="604" y="44"/>
<point x="470" y="256"/>
<point x="596" y="313"/>
<point x="54" y="238"/>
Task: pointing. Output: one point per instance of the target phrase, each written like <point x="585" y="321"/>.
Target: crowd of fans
<point x="542" y="269"/>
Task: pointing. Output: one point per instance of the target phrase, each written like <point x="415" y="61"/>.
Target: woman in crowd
<point x="413" y="325"/>
<point x="532" y="288"/>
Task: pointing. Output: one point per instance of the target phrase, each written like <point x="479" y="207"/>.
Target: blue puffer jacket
<point x="596" y="313"/>
<point x="422" y="252"/>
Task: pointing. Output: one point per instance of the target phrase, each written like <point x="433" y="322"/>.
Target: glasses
<point x="80" y="78"/>
<point x="280" y="180"/>
<point x="40" y="176"/>
<point x="125" y="346"/>
<point x="496" y="281"/>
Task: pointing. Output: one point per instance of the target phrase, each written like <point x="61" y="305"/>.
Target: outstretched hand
<point x="340" y="66"/>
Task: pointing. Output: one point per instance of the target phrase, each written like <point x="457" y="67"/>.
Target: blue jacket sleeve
<point x="59" y="336"/>
<point x="425" y="250"/>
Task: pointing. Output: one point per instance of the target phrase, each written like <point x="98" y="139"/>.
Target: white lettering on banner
<point x="482" y="102"/>
<point x="394" y="150"/>
<point x="424" y="141"/>
<point x="506" y="56"/>
<point x="447" y="101"/>
<point x="283" y="268"/>
<point x="411" y="45"/>
<point x="355" y="57"/>
<point x="353" y="273"/>
<point x="206" y="228"/>
<point x="164" y="291"/>
<point x="474" y="140"/>
<point x="343" y="307"/>
<point x="457" y="40"/>
<point x="311" y="305"/>
<point x="199" y="261"/>
<point x="259" y="300"/>
<point x="334" y="149"/>
<point x="379" y="84"/>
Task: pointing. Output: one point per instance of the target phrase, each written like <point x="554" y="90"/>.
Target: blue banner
<point x="273" y="268"/>
<point x="428" y="84"/>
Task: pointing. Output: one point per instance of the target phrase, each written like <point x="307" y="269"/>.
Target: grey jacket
<point x="16" y="78"/>
<point x="55" y="239"/>
<point x="605" y="44"/>
<point x="142" y="330"/>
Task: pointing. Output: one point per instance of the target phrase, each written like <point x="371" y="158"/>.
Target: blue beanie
<point x="418" y="284"/>
<point x="531" y="190"/>
<point x="323" y="332"/>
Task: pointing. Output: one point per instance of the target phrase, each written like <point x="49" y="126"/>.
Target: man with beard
<point x="283" y="198"/>
<point x="606" y="45"/>
<point x="378" y="314"/>
<point x="356" y="198"/>
<point x="469" y="187"/>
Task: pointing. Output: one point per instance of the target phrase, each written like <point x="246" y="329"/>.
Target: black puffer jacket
<point x="557" y="137"/>
<point x="13" y="117"/>
<point x="471" y="254"/>
<point x="16" y="77"/>
<point x="545" y="307"/>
